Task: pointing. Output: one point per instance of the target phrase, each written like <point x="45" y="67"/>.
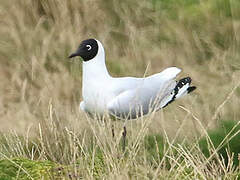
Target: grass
<point x="25" y="169"/>
<point x="224" y="140"/>
<point x="40" y="89"/>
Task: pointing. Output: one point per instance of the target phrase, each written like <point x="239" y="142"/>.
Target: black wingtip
<point x="191" y="89"/>
<point x="182" y="82"/>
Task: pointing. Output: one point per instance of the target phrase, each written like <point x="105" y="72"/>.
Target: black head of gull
<point x="87" y="50"/>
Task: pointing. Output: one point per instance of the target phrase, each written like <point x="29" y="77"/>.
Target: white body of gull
<point x="125" y="97"/>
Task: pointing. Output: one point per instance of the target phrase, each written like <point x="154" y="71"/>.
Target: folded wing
<point x="152" y="93"/>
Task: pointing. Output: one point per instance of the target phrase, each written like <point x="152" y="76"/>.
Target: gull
<point x="124" y="97"/>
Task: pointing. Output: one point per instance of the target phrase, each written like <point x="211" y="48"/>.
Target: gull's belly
<point x="96" y="100"/>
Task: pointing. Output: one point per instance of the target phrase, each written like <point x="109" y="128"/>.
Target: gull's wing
<point x="142" y="95"/>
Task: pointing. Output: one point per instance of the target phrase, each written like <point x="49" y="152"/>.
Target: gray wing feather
<point x="151" y="93"/>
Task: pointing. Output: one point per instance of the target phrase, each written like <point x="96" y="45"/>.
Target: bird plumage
<point x="126" y="97"/>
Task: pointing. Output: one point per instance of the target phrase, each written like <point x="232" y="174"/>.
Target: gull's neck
<point x="96" y="68"/>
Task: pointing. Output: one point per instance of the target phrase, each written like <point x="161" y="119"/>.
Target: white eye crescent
<point x="88" y="47"/>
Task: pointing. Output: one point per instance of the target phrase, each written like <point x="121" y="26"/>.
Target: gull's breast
<point x="96" y="99"/>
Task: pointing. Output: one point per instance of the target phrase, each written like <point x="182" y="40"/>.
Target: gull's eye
<point x="88" y="47"/>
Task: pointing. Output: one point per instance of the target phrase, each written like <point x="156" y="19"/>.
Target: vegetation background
<point x="45" y="136"/>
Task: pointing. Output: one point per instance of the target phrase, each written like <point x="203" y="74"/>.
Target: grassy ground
<point x="40" y="89"/>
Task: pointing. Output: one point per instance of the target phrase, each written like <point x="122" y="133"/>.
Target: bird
<point x="124" y="97"/>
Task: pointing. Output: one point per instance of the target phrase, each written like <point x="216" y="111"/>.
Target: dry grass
<point x="40" y="89"/>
